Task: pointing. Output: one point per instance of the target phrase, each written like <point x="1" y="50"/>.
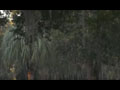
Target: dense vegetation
<point x="60" y="44"/>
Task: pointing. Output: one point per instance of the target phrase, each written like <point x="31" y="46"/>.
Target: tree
<point x="104" y="34"/>
<point x="81" y="42"/>
<point x="20" y="45"/>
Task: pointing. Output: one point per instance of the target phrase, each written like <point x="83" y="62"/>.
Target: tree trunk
<point x="31" y="30"/>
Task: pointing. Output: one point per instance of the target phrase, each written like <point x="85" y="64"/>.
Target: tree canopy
<point x="60" y="44"/>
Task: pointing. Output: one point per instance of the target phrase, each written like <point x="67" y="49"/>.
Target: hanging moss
<point x="16" y="52"/>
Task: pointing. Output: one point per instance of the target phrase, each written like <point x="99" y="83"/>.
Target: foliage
<point x="16" y="52"/>
<point x="62" y="44"/>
